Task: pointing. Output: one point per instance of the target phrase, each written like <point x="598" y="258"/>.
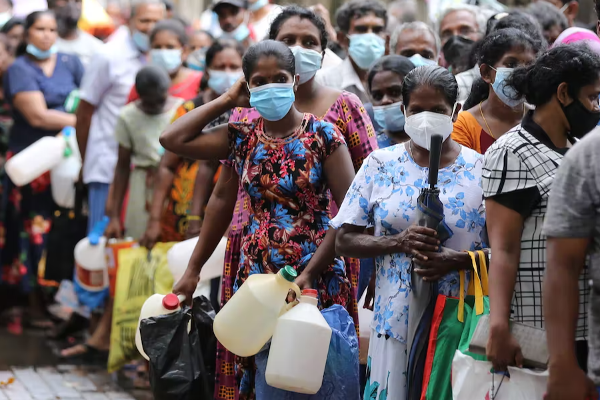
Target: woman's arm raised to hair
<point x="188" y="138"/>
<point x="33" y="107"/>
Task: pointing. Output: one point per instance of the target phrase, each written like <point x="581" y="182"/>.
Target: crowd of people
<point x="305" y="141"/>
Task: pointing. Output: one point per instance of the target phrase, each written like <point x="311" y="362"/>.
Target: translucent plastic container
<point x="248" y="320"/>
<point x="37" y="159"/>
<point x="156" y="305"/>
<point x="178" y="258"/>
<point x="91" y="269"/>
<point x="299" y="348"/>
<point x="66" y="173"/>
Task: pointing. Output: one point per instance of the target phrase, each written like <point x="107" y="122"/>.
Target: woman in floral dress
<point x="284" y="161"/>
<point x="384" y="195"/>
<point x="305" y="33"/>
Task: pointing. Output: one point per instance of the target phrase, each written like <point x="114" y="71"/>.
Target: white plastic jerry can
<point x="156" y="305"/>
<point x="299" y="348"/>
<point x="37" y="159"/>
<point x="64" y="175"/>
<point x="91" y="268"/>
<point x="246" y="323"/>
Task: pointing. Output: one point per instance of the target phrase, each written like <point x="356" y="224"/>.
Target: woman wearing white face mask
<point x="384" y="195"/>
<point x="168" y="44"/>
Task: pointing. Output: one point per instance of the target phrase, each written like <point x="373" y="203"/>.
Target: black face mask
<point x="580" y="118"/>
<point x="68" y="16"/>
<point x="457" y="52"/>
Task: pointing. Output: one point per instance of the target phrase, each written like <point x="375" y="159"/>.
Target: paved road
<point x="30" y="362"/>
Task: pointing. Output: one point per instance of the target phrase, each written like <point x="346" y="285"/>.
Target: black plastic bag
<point x="182" y="365"/>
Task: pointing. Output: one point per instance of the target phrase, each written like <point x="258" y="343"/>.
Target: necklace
<point x="486" y="123"/>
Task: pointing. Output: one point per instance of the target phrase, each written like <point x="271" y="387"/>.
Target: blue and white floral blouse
<point x="384" y="195"/>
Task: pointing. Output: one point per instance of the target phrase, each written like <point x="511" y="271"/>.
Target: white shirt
<point x="262" y="27"/>
<point x="343" y="77"/>
<point x="106" y="85"/>
<point x="85" y="46"/>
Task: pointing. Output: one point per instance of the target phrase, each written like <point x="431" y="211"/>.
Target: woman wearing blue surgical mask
<point x="385" y="88"/>
<point x="286" y="161"/>
<point x="384" y="196"/>
<point x="492" y="108"/>
<point x="198" y="42"/>
<point x="176" y="222"/>
<point x="36" y="87"/>
<point x="168" y="50"/>
<point x="306" y="35"/>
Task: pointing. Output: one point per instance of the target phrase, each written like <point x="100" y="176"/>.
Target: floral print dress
<point x="384" y="195"/>
<point x="289" y="201"/>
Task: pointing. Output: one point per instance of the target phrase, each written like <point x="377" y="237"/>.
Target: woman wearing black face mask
<point x="519" y="169"/>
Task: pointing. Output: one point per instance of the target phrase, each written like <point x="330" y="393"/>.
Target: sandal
<point x="86" y="354"/>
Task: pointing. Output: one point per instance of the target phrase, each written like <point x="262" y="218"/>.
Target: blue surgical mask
<point x="366" y="48"/>
<point x="197" y="60"/>
<point x="41" y="54"/>
<point x="239" y="34"/>
<point x="389" y="117"/>
<point x="141" y="41"/>
<point x="258" y="5"/>
<point x="419" y="61"/>
<point x="221" y="81"/>
<point x="273" y="101"/>
<point x="507" y="94"/>
<point x="308" y="62"/>
<point x="169" y="59"/>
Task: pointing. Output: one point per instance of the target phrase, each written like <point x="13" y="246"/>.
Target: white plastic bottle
<point x="178" y="258"/>
<point x="91" y="269"/>
<point x="299" y="348"/>
<point x="156" y="305"/>
<point x="66" y="173"/>
<point x="246" y="323"/>
<point x="37" y="159"/>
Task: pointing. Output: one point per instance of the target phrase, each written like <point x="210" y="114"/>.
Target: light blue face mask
<point x="41" y="54"/>
<point x="420" y="61"/>
<point x="366" y="48"/>
<point x="239" y="34"/>
<point x="197" y="60"/>
<point x="169" y="59"/>
<point x="221" y="81"/>
<point x="258" y="5"/>
<point x="507" y="94"/>
<point x="141" y="41"/>
<point x="273" y="101"/>
<point x="389" y="117"/>
<point x="308" y="62"/>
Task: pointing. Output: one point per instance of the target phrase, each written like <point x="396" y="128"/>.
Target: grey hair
<point x="414" y="26"/>
<point x="136" y="3"/>
<point x="480" y="16"/>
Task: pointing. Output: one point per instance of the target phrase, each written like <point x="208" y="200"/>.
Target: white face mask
<point x="422" y="126"/>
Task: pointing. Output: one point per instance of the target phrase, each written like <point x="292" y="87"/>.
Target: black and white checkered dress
<point x="521" y="161"/>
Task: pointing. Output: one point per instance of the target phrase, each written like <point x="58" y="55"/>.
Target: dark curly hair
<point x="302" y="13"/>
<point x="491" y="50"/>
<point x="575" y="64"/>
<point x="358" y="8"/>
<point x="268" y="48"/>
<point x="433" y="76"/>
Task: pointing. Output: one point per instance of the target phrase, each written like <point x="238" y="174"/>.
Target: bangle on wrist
<point x="194" y="218"/>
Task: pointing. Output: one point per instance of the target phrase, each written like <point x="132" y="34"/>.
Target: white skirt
<point x="386" y="369"/>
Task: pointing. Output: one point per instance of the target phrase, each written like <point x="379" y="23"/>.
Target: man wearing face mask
<point x="233" y="20"/>
<point x="459" y="28"/>
<point x="361" y="32"/>
<point x="104" y="89"/>
<point x="417" y="41"/>
<point x="72" y="40"/>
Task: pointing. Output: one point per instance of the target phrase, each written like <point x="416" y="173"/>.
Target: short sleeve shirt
<point x="26" y="76"/>
<point x="106" y="85"/>
<point x="520" y="168"/>
<point x="573" y="212"/>
<point x="139" y="132"/>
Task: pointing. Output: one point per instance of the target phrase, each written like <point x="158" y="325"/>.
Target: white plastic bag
<point x="472" y="380"/>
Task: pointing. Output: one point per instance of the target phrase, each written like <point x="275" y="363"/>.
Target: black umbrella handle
<point x="435" y="153"/>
